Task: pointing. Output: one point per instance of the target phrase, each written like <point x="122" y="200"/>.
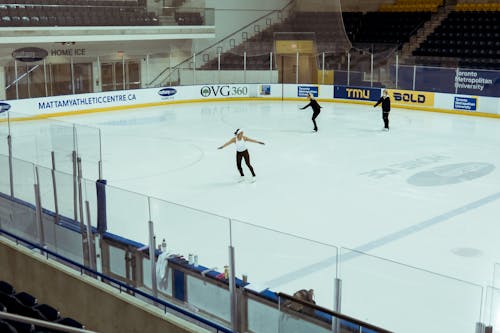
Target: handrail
<point x="218" y="42"/>
<point x="333" y="313"/>
<point x="22" y="76"/>
<point x="119" y="283"/>
<point x="43" y="323"/>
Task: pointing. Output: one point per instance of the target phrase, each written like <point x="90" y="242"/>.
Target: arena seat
<point x="75" y="13"/>
<point x="7" y="288"/>
<point x="5" y="327"/>
<point x="473" y="37"/>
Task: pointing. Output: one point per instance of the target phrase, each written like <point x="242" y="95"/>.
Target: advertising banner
<point x="476" y="82"/>
<point x="411" y="98"/>
<point x="357" y="93"/>
<point x="302" y="91"/>
<point x="224" y="91"/>
<point x="465" y="103"/>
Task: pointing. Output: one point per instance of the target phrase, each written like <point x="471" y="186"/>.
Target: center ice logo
<point x="451" y="174"/>
<point x="4" y="107"/>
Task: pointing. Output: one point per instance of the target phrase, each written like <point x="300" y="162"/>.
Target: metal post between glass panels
<point x="297" y="68"/>
<point x="152" y="259"/>
<point x="323" y="68"/>
<point x="45" y="78"/>
<point x="270" y="67"/>
<point x="232" y="290"/>
<point x="124" y="79"/>
<point x="414" y="75"/>
<point x="245" y="66"/>
<point x="194" y="68"/>
<point x="17" y="81"/>
<point x="148" y="71"/>
<point x="90" y="238"/>
<point x="371" y="69"/>
<point x="348" y="67"/>
<point x="11" y="171"/>
<point x="218" y="67"/>
<point x="397" y="69"/>
<point x="38" y="209"/>
<point x="72" y="76"/>
<point x="170" y="67"/>
<point x="28" y="83"/>
<point x="54" y="187"/>
<point x="100" y="155"/>
<point x="99" y="75"/>
<point x="80" y="193"/>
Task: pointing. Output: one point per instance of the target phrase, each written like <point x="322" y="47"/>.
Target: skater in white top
<point x="241" y="150"/>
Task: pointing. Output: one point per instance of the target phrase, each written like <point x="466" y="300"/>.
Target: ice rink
<point x="425" y="194"/>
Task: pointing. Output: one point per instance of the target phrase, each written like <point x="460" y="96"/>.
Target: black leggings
<point x="315" y="115"/>
<point x="240" y="155"/>
<point x="385" y="116"/>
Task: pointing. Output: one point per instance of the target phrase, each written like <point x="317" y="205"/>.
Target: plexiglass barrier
<point x="492" y="308"/>
<point x="278" y="261"/>
<point x="374" y="289"/>
<point x="190" y="231"/>
<point x="4" y="174"/>
<point x="53" y="143"/>
<point x="127" y="213"/>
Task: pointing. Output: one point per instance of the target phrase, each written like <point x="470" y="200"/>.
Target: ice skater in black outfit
<point x="386" y="108"/>
<point x="242" y="151"/>
<point x="316" y="109"/>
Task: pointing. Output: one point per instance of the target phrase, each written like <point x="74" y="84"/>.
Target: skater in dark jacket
<point x="386" y="108"/>
<point x="241" y="151"/>
<point x="316" y="109"/>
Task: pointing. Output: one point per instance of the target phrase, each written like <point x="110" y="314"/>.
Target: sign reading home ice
<point x="465" y="103"/>
<point x="303" y="91"/>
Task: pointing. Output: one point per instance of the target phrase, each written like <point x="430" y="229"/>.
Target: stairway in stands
<point x="421" y="35"/>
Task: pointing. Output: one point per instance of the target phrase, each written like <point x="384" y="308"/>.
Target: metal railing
<point x="122" y="287"/>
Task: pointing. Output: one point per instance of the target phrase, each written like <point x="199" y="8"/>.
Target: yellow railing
<point x="478" y="7"/>
<point x="412" y="6"/>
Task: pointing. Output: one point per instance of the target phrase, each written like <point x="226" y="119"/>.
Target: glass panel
<point x="4" y="175"/>
<point x="22" y="221"/>
<point x="189" y="233"/>
<point x="492" y="309"/>
<point x="435" y="79"/>
<point x="63" y="145"/>
<point x="61" y="79"/>
<point x="119" y="76"/>
<point x="83" y="78"/>
<point x="284" y="263"/>
<point x="133" y="75"/>
<point x="89" y="189"/>
<point x="24" y="180"/>
<point x="89" y="149"/>
<point x="4" y="132"/>
<point x="127" y="214"/>
<point x="65" y="194"/>
<point x="46" y="188"/>
<point x="451" y="305"/>
<point x="108" y="77"/>
<point x="405" y="77"/>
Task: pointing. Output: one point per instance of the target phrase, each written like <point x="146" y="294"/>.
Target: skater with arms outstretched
<point x="241" y="151"/>
<point x="316" y="109"/>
